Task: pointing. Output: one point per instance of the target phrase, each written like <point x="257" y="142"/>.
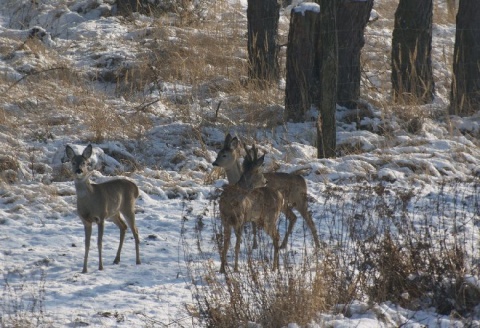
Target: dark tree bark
<point x="326" y="123"/>
<point x="465" y="92"/>
<point x="412" y="75"/>
<point x="352" y="18"/>
<point x="301" y="77"/>
<point x="262" y="17"/>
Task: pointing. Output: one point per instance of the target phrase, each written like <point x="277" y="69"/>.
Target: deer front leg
<point x="238" y="234"/>
<point x="88" y="234"/>
<point x="226" y="243"/>
<point x="99" y="243"/>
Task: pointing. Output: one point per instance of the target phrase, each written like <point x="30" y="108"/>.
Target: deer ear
<point x="260" y="161"/>
<point x="87" y="152"/>
<point x="248" y="154"/>
<point x="70" y="152"/>
<point x="228" y="139"/>
<point x="234" y="143"/>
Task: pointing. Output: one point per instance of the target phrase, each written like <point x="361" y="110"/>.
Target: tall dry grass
<point x="381" y="243"/>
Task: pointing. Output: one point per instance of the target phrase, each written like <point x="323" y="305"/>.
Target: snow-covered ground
<point x="41" y="237"/>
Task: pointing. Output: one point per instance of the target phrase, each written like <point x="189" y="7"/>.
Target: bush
<point x="386" y="244"/>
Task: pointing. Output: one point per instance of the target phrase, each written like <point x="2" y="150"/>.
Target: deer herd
<point x="251" y="196"/>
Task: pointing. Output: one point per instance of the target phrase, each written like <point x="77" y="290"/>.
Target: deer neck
<point x="234" y="172"/>
<point x="83" y="187"/>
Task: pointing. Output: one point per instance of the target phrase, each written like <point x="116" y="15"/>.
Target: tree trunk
<point x="262" y="17"/>
<point x="352" y="18"/>
<point x="412" y="75"/>
<point x="301" y="79"/>
<point x="465" y="92"/>
<point x="326" y="123"/>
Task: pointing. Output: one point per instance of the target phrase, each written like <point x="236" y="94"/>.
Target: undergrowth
<point x="22" y="300"/>
<point x="382" y="243"/>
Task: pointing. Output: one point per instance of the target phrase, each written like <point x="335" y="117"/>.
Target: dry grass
<point x="22" y="303"/>
<point x="383" y="256"/>
<point x="195" y="65"/>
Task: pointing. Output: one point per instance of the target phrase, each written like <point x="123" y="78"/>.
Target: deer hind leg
<point x="308" y="218"/>
<point x="292" y="219"/>
<point x="129" y="215"/>
<point x="254" y="231"/>
<point x="88" y="234"/>
<point x="274" y="234"/>
<point x="123" y="228"/>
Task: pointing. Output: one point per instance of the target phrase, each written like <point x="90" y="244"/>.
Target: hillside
<point x="396" y="211"/>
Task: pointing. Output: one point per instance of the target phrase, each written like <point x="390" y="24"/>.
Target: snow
<point x="41" y="237"/>
<point x="306" y="6"/>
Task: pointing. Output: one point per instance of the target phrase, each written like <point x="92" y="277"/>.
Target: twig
<point x="142" y="107"/>
<point x="30" y="74"/>
<point x="218" y="109"/>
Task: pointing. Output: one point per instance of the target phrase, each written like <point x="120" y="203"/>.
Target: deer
<point x="250" y="200"/>
<point x="112" y="200"/>
<point x="293" y="187"/>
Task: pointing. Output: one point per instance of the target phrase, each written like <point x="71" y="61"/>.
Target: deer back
<point x="293" y="187"/>
<point x="104" y="200"/>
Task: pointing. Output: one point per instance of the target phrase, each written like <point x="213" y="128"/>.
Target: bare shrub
<point x="258" y="295"/>
<point x="383" y="243"/>
<point x="9" y="167"/>
<point x="22" y="300"/>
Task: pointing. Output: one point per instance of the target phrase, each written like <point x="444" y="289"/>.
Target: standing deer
<point x="97" y="203"/>
<point x="249" y="200"/>
<point x="293" y="187"/>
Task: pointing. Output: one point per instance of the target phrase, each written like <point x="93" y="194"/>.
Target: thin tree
<point x="326" y="123"/>
<point x="412" y="74"/>
<point x="262" y="18"/>
<point x="465" y="92"/>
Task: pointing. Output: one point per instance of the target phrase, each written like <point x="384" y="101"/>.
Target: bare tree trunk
<point x="301" y="78"/>
<point x="326" y="123"/>
<point x="352" y="18"/>
<point x="465" y="92"/>
<point x="412" y="74"/>
<point x="262" y="17"/>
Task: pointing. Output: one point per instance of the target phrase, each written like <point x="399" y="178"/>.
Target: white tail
<point x="97" y="203"/>
<point x="249" y="201"/>
<point x="293" y="187"/>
